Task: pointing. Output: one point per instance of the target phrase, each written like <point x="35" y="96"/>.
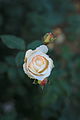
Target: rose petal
<point x="42" y="77"/>
<point x="42" y="48"/>
<point x="51" y="63"/>
<point x="28" y="53"/>
<point x="29" y="66"/>
<point x="26" y="71"/>
<point x="33" y="55"/>
<point x="49" y="59"/>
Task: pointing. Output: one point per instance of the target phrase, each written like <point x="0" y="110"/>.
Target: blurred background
<point x="30" y="20"/>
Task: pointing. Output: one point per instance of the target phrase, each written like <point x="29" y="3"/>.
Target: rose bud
<point x="44" y="82"/>
<point x="48" y="38"/>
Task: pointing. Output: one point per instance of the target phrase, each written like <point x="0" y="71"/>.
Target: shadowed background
<point x="30" y="20"/>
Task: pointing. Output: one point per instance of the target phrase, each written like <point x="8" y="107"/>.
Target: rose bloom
<point x="38" y="65"/>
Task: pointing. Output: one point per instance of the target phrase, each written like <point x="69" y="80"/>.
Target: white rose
<point x="37" y="64"/>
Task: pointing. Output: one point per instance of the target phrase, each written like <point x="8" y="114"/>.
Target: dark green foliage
<point x="10" y="60"/>
<point x="66" y="53"/>
<point x="34" y="44"/>
<point x="22" y="26"/>
<point x="20" y="58"/>
<point x="3" y="67"/>
<point x="13" y="42"/>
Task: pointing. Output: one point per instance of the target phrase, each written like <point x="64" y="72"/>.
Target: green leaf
<point x="3" y="67"/>
<point x="19" y="59"/>
<point x="34" y="44"/>
<point x="13" y="42"/>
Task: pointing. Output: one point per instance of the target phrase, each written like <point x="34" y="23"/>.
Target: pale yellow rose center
<point x="38" y="65"/>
